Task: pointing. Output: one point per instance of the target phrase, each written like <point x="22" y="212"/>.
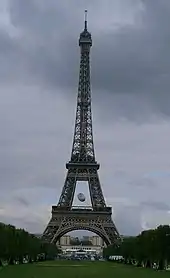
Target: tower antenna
<point x="85" y="20"/>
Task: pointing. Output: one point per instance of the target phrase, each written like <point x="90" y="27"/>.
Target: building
<point x="97" y="241"/>
<point x="96" y="247"/>
<point x="64" y="241"/>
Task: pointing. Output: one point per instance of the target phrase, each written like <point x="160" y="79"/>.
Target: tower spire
<point x="85" y="20"/>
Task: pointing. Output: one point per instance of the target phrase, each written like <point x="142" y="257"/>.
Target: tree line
<point x="17" y="245"/>
<point x="150" y="248"/>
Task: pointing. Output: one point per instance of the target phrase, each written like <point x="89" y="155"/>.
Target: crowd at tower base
<point x="151" y="249"/>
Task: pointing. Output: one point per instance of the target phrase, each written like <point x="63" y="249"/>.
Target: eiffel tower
<point x="82" y="167"/>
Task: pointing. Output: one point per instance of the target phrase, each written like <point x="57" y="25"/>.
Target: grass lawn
<point x="71" y="269"/>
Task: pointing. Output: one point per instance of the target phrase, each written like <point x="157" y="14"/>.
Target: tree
<point x="17" y="244"/>
<point x="149" y="247"/>
<point x="111" y="250"/>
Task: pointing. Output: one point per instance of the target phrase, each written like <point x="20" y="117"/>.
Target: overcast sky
<point x="39" y="66"/>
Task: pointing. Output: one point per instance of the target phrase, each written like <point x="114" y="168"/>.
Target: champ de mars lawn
<point x="73" y="269"/>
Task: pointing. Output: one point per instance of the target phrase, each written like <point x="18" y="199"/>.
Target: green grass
<point x="71" y="269"/>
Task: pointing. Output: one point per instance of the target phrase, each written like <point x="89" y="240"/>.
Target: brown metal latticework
<point x="82" y="167"/>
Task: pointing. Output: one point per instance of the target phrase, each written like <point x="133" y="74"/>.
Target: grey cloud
<point x="9" y="54"/>
<point x="22" y="201"/>
<point x="120" y="174"/>
<point x="143" y="182"/>
<point x="162" y="206"/>
<point x="128" y="221"/>
<point x="130" y="80"/>
<point x="33" y="226"/>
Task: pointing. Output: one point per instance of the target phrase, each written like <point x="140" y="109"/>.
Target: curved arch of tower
<point x="94" y="230"/>
<point x="82" y="167"/>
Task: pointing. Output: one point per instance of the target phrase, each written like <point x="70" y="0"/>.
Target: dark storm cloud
<point x="137" y="57"/>
<point x="136" y="62"/>
<point x="46" y="42"/>
<point x="131" y="61"/>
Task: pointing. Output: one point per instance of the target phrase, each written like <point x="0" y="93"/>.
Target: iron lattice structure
<point x="82" y="167"/>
